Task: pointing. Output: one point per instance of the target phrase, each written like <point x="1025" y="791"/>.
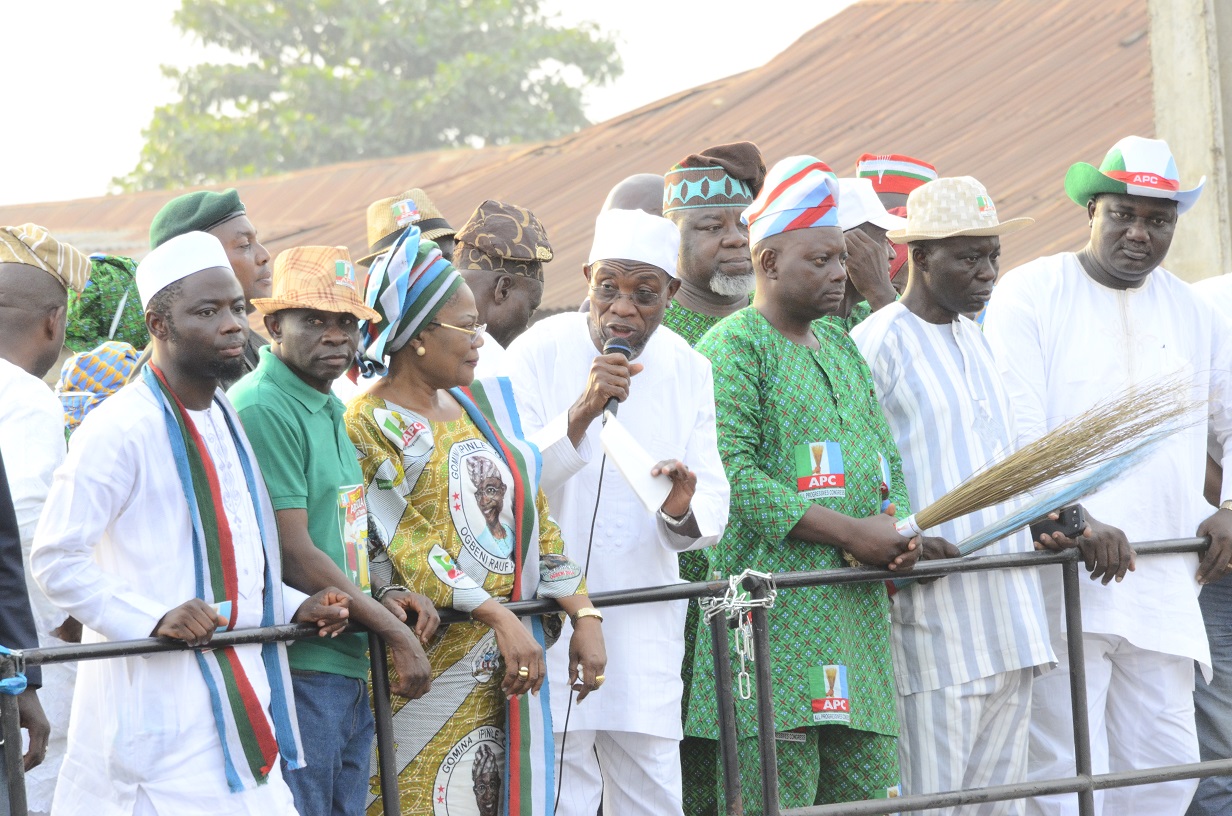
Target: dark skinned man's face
<point x="714" y="249"/>
<point x="811" y="271"/>
<point x="958" y="273"/>
<point x="208" y="325"/>
<point x="249" y="259"/>
<point x="627" y="301"/>
<point x="318" y="346"/>
<point x="1130" y="235"/>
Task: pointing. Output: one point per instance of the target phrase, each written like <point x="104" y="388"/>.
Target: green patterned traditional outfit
<point x="858" y="313"/>
<point x="687" y="323"/>
<point x="799" y="426"/>
<point x="452" y="742"/>
<point x="698" y="757"/>
<point x="108" y="308"/>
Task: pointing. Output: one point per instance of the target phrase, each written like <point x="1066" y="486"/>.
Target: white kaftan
<point x="670" y="411"/>
<point x="32" y="441"/>
<point x="114" y="549"/>
<point x="1063" y="343"/>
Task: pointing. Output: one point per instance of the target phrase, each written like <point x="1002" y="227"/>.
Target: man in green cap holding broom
<point x="1066" y="330"/>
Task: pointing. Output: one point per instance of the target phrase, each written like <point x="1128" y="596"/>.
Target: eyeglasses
<point x="474" y="331"/>
<point x="607" y="293"/>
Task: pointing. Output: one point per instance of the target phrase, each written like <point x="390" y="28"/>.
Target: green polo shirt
<point x="308" y="461"/>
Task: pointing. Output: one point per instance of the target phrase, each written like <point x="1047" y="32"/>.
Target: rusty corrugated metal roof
<point x="1009" y="91"/>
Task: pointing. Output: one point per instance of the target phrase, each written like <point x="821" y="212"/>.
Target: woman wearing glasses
<point x="454" y="505"/>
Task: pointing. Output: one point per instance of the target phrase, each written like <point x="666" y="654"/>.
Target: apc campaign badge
<point x="819" y="471"/>
<point x="831" y="698"/>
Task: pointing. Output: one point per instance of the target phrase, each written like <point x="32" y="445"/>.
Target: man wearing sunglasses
<point x="623" y="745"/>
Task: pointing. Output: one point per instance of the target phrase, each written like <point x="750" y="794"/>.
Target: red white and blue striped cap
<point x="801" y="192"/>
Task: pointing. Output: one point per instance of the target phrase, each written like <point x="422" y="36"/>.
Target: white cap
<point x="175" y="260"/>
<point x="634" y="235"/>
<point x="858" y="204"/>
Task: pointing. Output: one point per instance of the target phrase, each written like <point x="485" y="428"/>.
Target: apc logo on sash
<point x="819" y="471"/>
<point x="831" y="698"/>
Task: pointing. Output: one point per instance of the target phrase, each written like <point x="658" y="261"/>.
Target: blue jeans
<point x="337" y="729"/>
<point x="1213" y="703"/>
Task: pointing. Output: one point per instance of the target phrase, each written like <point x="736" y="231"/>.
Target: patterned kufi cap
<point x="729" y="175"/>
<point x="407" y="287"/>
<point x="503" y="237"/>
<point x="893" y="173"/>
<point x="801" y="192"/>
<point x="34" y="246"/>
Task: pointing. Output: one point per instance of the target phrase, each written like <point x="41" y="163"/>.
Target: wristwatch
<point x="587" y="612"/>
<point x="673" y="521"/>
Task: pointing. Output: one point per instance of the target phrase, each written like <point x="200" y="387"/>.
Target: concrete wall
<point x="1191" y="74"/>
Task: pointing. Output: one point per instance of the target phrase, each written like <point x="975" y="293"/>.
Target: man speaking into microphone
<point x="623" y="745"/>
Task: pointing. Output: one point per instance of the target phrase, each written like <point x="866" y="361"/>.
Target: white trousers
<point x="972" y="735"/>
<point x="634" y="774"/>
<point x="1141" y="715"/>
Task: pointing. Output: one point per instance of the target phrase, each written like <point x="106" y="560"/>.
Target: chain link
<point x="736" y="604"/>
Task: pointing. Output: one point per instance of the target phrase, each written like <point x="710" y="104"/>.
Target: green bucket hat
<point x="1134" y="166"/>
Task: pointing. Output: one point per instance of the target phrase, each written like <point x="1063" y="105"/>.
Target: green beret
<point x="194" y="212"/>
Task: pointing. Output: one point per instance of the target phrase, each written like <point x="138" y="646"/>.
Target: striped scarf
<point x="407" y="286"/>
<point x="250" y="742"/>
<point x="530" y="754"/>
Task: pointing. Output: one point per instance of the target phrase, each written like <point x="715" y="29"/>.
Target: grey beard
<point x="732" y="285"/>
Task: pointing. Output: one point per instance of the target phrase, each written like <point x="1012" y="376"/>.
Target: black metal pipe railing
<point x="1083" y="783"/>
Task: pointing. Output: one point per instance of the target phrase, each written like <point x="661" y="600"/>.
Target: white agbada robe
<point x="1063" y="343"/>
<point x="32" y="441"/>
<point x="114" y="549"/>
<point x="670" y="411"/>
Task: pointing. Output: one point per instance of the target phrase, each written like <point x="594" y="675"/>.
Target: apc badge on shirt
<point x="819" y="471"/>
<point x="831" y="697"/>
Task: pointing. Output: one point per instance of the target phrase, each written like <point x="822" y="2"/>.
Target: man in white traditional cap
<point x="622" y="745"/>
<point x="163" y="527"/>
<point x="865" y="222"/>
<point x="1067" y="330"/>
<point x="964" y="712"/>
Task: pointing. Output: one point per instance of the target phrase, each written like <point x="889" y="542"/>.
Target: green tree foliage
<point x="314" y="82"/>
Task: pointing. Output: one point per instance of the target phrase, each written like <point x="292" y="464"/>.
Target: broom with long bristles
<point x="1038" y="508"/>
<point x="1115" y="427"/>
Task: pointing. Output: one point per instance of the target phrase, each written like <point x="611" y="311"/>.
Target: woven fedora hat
<point x="1134" y="166"/>
<point x="949" y="207"/>
<point x="317" y="277"/>
<point x="388" y="217"/>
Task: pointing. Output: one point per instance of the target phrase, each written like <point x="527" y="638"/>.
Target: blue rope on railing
<point x="12" y="685"/>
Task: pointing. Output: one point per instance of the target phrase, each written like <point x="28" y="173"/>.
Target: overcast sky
<point x="86" y="73"/>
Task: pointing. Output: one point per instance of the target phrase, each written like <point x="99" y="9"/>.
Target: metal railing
<point x="1084" y="783"/>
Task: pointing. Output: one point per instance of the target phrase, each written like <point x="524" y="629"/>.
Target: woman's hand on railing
<point x="587" y="653"/>
<point x="525" y="669"/>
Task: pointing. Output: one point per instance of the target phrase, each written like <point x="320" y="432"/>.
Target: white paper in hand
<point x="634" y="463"/>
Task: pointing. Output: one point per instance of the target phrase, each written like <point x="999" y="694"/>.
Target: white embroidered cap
<point x="634" y="235"/>
<point x="858" y="204"/>
<point x="175" y="260"/>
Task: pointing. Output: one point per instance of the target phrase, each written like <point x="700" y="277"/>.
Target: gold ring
<point x="524" y="672"/>
<point x="599" y="678"/>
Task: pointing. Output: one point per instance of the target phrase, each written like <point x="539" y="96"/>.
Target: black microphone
<point x="615" y="346"/>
